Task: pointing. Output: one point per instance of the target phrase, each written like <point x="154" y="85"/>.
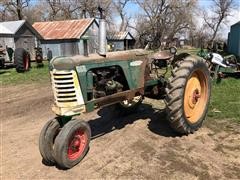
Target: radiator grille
<point x="68" y="96"/>
<point x="66" y="88"/>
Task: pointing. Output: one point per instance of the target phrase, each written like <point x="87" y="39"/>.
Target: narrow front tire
<point x="72" y="143"/>
<point x="46" y="140"/>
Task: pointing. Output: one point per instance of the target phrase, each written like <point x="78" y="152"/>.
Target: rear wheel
<point x="72" y="143"/>
<point x="21" y="60"/>
<point x="188" y="94"/>
<point x="2" y="62"/>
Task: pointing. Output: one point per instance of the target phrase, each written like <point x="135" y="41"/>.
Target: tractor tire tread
<point x="19" y="58"/>
<point x="46" y="140"/>
<point x="62" y="140"/>
<point x="175" y="93"/>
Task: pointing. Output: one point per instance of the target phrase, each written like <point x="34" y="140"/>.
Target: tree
<point x="16" y="7"/>
<point x="221" y="9"/>
<point x="3" y="11"/>
<point x="37" y="12"/>
<point x="63" y="10"/>
<point x="198" y="37"/>
<point x="73" y="9"/>
<point x="119" y="6"/>
<point x="163" y="19"/>
<point x="55" y="7"/>
<point x="89" y="8"/>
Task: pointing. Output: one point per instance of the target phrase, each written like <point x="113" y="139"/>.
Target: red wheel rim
<point x="77" y="145"/>
<point x="26" y="62"/>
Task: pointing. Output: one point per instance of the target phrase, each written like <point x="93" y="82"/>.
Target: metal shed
<point x="19" y="34"/>
<point x="68" y="38"/>
<point x="119" y="41"/>
<point x="234" y="39"/>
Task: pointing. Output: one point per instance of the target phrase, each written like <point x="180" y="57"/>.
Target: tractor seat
<point x="162" y="55"/>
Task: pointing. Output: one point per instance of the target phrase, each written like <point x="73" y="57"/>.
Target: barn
<point x="68" y="38"/>
<point x="234" y="39"/>
<point x="19" y="34"/>
<point x="119" y="41"/>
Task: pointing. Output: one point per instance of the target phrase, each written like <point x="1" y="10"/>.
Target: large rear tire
<point x="2" y="63"/>
<point x="72" y="143"/>
<point x="188" y="95"/>
<point x="21" y="60"/>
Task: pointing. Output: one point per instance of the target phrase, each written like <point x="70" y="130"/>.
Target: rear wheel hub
<point x="195" y="96"/>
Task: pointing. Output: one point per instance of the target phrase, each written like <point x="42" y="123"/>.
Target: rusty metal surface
<point x="67" y="93"/>
<point x="117" y="97"/>
<point x="71" y="29"/>
<point x="118" y="35"/>
<point x="112" y="56"/>
<point x="132" y="55"/>
<point x="162" y="55"/>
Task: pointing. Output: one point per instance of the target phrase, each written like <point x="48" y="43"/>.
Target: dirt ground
<point x="141" y="145"/>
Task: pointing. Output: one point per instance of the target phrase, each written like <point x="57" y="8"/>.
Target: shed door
<point x="28" y="43"/>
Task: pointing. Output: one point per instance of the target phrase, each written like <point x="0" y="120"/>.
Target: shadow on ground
<point x="4" y="72"/>
<point x="110" y="119"/>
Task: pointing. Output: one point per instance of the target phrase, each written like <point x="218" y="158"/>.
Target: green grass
<point x="35" y="75"/>
<point x="225" y="100"/>
<point x="193" y="51"/>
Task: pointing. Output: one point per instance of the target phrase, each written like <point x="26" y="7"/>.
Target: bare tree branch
<point x="163" y="19"/>
<point x="120" y="5"/>
<point x="221" y="10"/>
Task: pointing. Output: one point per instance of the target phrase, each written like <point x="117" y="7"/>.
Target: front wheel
<point x="72" y="143"/>
<point x="46" y="140"/>
<point x="188" y="95"/>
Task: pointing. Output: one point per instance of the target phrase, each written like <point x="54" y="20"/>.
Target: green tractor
<point x="221" y="64"/>
<point x="84" y="83"/>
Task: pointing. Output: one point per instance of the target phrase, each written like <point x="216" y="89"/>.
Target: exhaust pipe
<point x="102" y="34"/>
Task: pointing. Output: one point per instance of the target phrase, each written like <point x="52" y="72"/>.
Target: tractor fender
<point x="140" y="78"/>
<point x="179" y="57"/>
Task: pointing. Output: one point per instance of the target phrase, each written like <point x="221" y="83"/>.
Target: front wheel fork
<point x="64" y="119"/>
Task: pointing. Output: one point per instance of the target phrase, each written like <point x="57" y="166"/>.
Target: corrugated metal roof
<point x="56" y="30"/>
<point x="4" y="30"/>
<point x="10" y="27"/>
<point x="118" y="35"/>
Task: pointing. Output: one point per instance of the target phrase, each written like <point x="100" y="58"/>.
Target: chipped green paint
<point x="132" y="74"/>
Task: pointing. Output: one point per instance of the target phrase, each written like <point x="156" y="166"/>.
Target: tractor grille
<point x="66" y="88"/>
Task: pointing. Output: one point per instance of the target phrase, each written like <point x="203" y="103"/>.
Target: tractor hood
<point x="69" y="63"/>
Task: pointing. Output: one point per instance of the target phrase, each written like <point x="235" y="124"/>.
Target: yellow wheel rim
<point x="195" y="96"/>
